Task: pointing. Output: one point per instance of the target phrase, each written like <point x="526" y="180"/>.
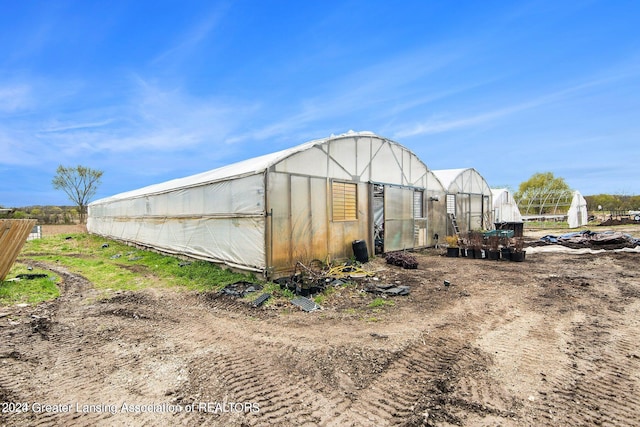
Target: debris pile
<point x="241" y="289"/>
<point x="620" y="221"/>
<point x="402" y="259"/>
<point x="582" y="239"/>
<point x="313" y="279"/>
<point x="391" y="290"/>
<point x="309" y="280"/>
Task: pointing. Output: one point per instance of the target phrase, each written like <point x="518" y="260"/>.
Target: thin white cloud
<point x="150" y="118"/>
<point x="17" y="148"/>
<point x="171" y="119"/>
<point x="441" y="123"/>
<point x="384" y="83"/>
<point x="57" y="126"/>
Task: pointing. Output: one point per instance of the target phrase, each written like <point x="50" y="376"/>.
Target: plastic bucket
<point x="360" y="251"/>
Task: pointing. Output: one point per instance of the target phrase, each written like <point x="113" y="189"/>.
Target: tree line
<point x="612" y="202"/>
<point x="46" y="215"/>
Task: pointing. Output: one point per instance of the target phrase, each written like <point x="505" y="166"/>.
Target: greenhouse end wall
<point x="301" y="203"/>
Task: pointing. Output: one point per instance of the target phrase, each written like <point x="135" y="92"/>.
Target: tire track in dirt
<point x="425" y="385"/>
<point x="74" y="370"/>
<point x="238" y="370"/>
<point x="599" y="386"/>
<point x="599" y="378"/>
<point x="50" y="370"/>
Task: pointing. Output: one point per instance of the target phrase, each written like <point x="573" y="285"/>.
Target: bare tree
<point x="79" y="183"/>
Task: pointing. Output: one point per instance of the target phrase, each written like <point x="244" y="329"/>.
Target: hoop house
<point x="545" y="202"/>
<point x="468" y="198"/>
<point x="265" y="214"/>
<point x="577" y="214"/>
<point x="505" y="208"/>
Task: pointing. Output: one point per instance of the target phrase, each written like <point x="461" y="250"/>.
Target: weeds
<point x="380" y="302"/>
<point x="114" y="266"/>
<point x="32" y="291"/>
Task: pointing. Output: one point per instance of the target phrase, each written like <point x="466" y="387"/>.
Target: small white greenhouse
<point x="577" y="215"/>
<point x="467" y="198"/>
<point x="265" y="214"/>
<point x="505" y="208"/>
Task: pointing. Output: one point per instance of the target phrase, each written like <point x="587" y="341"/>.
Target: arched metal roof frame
<point x="541" y="201"/>
<point x="456" y="181"/>
<point x="257" y="165"/>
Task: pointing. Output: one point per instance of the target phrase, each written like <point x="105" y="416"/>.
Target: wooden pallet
<point x="13" y="235"/>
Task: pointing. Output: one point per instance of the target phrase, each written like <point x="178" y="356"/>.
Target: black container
<point x="518" y="256"/>
<point x="505" y="253"/>
<point x="493" y="255"/>
<point x="453" y="252"/>
<point x="360" y="251"/>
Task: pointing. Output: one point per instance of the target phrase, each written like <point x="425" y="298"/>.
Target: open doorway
<point x="399" y="218"/>
<point x="378" y="218"/>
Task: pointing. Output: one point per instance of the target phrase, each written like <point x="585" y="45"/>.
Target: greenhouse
<point x="545" y="204"/>
<point x="468" y="199"/>
<point x="266" y="214"/>
<point x="505" y="208"/>
<point x="577" y="214"/>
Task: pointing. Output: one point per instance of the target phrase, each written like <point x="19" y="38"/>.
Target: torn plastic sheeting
<point x="586" y="237"/>
<point x="391" y="290"/>
<point x="336" y="282"/>
<point x="567" y="250"/>
<point x="31" y="276"/>
<point x="612" y="237"/>
<point x="399" y="290"/>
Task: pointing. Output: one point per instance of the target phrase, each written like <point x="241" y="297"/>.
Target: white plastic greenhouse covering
<point x="202" y="219"/>
<point x="577" y="215"/>
<point x="469" y="196"/>
<point x="505" y="208"/>
<point x="217" y="215"/>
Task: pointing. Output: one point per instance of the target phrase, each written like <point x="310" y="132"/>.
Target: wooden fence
<point x="13" y="235"/>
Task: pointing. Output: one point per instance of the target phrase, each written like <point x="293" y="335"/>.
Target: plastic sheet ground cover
<point x="590" y="238"/>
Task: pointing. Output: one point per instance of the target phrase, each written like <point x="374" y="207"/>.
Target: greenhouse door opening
<point x="378" y="218"/>
<point x="399" y="218"/>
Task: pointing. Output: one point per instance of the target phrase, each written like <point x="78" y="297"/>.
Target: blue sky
<point x="148" y="91"/>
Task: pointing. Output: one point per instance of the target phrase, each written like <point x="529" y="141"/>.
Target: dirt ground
<point x="551" y="341"/>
